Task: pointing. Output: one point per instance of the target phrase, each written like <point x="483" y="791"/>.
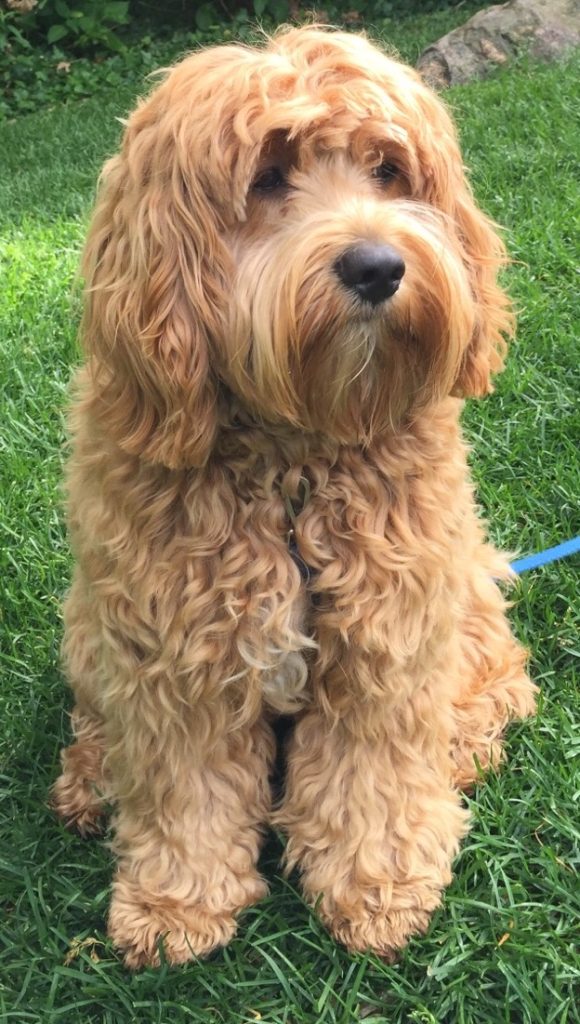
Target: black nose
<point x="374" y="272"/>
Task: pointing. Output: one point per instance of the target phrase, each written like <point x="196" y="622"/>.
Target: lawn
<point x="502" y="948"/>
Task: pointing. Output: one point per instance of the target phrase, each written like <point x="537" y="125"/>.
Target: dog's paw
<point x="382" y="934"/>
<point x="381" y="921"/>
<point x="78" y="803"/>
<point x="142" y="924"/>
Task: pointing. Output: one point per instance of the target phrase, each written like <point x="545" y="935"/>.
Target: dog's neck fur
<point x="280" y="458"/>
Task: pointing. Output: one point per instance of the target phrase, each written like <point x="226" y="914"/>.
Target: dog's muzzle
<point x="374" y="272"/>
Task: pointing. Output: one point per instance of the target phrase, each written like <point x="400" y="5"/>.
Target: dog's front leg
<point x="372" y="821"/>
<point x="190" y="805"/>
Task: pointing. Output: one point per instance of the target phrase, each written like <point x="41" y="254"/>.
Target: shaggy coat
<point x="245" y="410"/>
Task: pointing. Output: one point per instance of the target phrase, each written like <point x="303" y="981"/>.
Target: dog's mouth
<point x="382" y="313"/>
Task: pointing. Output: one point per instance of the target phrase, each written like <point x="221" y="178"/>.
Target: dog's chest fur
<point x="335" y="515"/>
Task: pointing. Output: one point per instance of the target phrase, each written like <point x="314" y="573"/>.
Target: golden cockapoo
<point x="289" y="290"/>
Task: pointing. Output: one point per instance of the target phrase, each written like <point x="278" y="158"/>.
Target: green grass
<point x="502" y="948"/>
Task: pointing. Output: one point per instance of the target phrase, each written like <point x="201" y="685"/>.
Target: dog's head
<point x="290" y="225"/>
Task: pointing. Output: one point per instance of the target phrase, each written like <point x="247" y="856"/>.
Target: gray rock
<point x="545" y="28"/>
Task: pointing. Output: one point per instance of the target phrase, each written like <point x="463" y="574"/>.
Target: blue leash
<point x="569" y="547"/>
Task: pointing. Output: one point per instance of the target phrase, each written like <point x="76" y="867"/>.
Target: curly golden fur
<point x="230" y="368"/>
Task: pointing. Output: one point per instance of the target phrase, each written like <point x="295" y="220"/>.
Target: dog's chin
<point x="369" y="382"/>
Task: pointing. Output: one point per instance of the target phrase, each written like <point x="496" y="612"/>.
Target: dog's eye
<point x="269" y="180"/>
<point x="385" y="172"/>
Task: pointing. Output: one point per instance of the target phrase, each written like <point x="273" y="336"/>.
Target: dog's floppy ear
<point x="152" y="271"/>
<point x="483" y="252"/>
<point x="484" y="256"/>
